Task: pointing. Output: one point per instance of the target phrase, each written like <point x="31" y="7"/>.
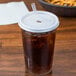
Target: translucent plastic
<point x="38" y="51"/>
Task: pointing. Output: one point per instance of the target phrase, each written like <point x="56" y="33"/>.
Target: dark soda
<point x="38" y="51"/>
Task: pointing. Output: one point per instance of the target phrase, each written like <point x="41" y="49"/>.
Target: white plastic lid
<point x="39" y="21"/>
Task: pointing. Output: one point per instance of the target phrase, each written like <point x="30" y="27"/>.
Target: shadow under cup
<point x="39" y="46"/>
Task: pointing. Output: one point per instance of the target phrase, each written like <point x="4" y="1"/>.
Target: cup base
<point x="37" y="74"/>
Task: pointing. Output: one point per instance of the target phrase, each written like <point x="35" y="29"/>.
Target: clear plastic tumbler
<point x="38" y="32"/>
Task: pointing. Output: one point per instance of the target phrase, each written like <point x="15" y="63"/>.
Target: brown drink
<point x="39" y="46"/>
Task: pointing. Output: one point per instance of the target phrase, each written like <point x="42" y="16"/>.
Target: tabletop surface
<point x="11" y="48"/>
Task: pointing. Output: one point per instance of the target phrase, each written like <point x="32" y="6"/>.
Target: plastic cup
<point x="38" y="32"/>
